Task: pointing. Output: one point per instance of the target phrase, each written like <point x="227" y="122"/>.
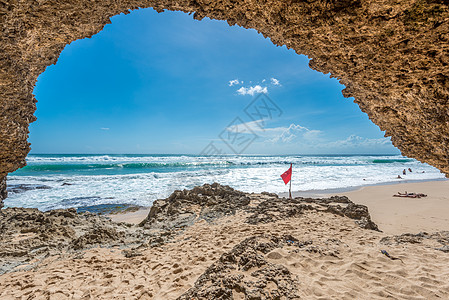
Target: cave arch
<point x="392" y="56"/>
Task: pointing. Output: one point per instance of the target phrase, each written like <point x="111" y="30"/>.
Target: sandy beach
<point x="406" y="215"/>
<point x="217" y="243"/>
<point x="396" y="215"/>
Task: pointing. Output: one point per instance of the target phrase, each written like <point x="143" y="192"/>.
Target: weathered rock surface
<point x="265" y="251"/>
<point x="392" y="56"/>
<point x="206" y="202"/>
<point x="28" y="235"/>
<point x="274" y="209"/>
<point x="212" y="201"/>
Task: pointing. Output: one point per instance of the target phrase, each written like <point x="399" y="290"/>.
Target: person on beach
<point x="410" y="195"/>
<point x="410" y="170"/>
<point x="404" y="172"/>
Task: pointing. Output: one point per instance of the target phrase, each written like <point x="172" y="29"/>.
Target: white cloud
<point x="292" y="133"/>
<point x="279" y="134"/>
<point x="234" y="82"/>
<point x="274" y="81"/>
<point x="298" y="134"/>
<point x="299" y="138"/>
<point x="252" y="90"/>
<point x="357" y="141"/>
<point x="104" y="128"/>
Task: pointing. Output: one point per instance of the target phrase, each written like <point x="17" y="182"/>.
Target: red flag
<point x="287" y="176"/>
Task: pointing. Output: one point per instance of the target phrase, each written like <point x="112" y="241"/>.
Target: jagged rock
<point x="129" y="253"/>
<point x="244" y="271"/>
<point x="274" y="209"/>
<point x="358" y="212"/>
<point x="207" y="202"/>
<point x="405" y="238"/>
<point x="270" y="194"/>
<point x="28" y="234"/>
<point x="392" y="56"/>
<point x="98" y="236"/>
<point x="210" y="202"/>
<point x="444" y="249"/>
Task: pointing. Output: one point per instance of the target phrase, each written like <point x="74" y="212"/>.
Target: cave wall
<point x="392" y="56"/>
<point x="2" y="190"/>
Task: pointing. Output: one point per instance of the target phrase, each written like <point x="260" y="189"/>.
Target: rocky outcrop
<point x="21" y="188"/>
<point x="183" y="208"/>
<point x="29" y="235"/>
<point x="392" y="56"/>
<point x="213" y="201"/>
<point x="274" y="209"/>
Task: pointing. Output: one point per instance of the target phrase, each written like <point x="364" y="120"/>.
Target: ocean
<point x="62" y="181"/>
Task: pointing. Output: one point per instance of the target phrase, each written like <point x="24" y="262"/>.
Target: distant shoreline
<point x="327" y="192"/>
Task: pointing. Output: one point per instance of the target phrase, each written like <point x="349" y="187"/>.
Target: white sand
<point x="396" y="215"/>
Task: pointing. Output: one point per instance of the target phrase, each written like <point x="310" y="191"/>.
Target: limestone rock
<point x="274" y="209"/>
<point x="27" y="234"/>
<point x="183" y="208"/>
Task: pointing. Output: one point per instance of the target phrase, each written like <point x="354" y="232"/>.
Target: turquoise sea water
<point x="61" y="181"/>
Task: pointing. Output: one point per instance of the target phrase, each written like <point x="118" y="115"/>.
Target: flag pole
<point x="290" y="189"/>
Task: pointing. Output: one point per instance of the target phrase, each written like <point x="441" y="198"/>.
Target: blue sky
<point x="165" y="83"/>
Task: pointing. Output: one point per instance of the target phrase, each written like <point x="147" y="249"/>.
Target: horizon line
<point x="253" y="154"/>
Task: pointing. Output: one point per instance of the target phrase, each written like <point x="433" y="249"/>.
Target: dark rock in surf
<point x="21" y="188"/>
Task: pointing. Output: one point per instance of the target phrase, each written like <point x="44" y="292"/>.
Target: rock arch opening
<point x="392" y="57"/>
